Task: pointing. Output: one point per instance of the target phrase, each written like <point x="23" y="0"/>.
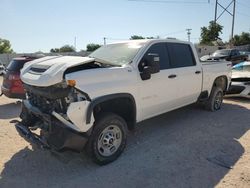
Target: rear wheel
<point x="108" y="139"/>
<point x="215" y="99"/>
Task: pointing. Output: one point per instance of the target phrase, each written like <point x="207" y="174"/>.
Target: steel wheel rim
<point x="109" y="140"/>
<point x="218" y="100"/>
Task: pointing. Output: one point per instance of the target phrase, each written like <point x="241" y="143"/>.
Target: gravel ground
<point x="188" y="147"/>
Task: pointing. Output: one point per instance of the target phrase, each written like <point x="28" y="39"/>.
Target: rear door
<point x="188" y="73"/>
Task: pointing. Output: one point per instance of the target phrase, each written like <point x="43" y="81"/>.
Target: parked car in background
<point x="240" y="85"/>
<point x="12" y="85"/>
<point x="246" y="53"/>
<point x="232" y="55"/>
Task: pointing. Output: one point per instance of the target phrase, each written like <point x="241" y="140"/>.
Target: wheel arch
<point x="122" y="104"/>
<point x="222" y="82"/>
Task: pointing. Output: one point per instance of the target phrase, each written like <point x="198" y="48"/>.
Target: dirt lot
<point x="189" y="147"/>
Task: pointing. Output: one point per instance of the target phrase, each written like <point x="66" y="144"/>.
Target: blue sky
<point x="41" y="25"/>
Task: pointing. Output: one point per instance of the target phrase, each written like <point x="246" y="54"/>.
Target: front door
<point x="158" y="94"/>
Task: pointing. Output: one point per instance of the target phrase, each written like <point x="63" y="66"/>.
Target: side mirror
<point x="146" y="73"/>
<point x="153" y="61"/>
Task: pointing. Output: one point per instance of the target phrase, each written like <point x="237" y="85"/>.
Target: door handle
<point x="197" y="72"/>
<point x="172" y="76"/>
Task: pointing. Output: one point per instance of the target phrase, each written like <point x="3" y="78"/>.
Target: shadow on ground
<point x="239" y="99"/>
<point x="188" y="147"/>
<point x="10" y="110"/>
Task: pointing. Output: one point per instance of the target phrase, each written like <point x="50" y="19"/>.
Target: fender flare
<point x="104" y="98"/>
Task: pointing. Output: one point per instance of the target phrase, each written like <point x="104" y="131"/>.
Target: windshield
<point x="117" y="54"/>
<point x="221" y="52"/>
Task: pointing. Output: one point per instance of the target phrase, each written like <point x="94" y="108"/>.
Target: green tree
<point x="5" y="46"/>
<point x="67" y="48"/>
<point x="54" y="50"/>
<point x="92" y="47"/>
<point x="242" y="39"/>
<point x="136" y="37"/>
<point x="211" y="33"/>
<point x="150" y="37"/>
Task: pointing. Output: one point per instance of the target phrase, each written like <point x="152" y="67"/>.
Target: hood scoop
<point x="36" y="70"/>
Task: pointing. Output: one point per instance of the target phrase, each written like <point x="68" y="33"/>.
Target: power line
<point x="243" y="4"/>
<point x="108" y="38"/>
<point x="242" y="14"/>
<point x="173" y="33"/>
<point x="172" y="2"/>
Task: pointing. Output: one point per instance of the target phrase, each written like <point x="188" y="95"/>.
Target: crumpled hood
<point x="49" y="70"/>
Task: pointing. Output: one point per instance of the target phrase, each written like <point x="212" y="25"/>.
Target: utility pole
<point x="232" y="33"/>
<point x="226" y="10"/>
<point x="188" y="34"/>
<point x="104" y="40"/>
<point x="215" y="12"/>
<point x="75" y="43"/>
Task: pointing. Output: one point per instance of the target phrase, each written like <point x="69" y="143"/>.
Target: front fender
<point x="101" y="99"/>
<point x="77" y="113"/>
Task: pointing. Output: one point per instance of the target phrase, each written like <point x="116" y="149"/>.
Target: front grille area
<point x="47" y="105"/>
<point x="48" y="99"/>
<point x="44" y="104"/>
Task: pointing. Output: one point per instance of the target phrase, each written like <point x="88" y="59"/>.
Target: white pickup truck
<point x="90" y="102"/>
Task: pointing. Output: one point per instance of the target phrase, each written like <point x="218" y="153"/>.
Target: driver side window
<point x="159" y="50"/>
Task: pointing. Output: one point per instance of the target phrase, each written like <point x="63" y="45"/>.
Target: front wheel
<point x="215" y="99"/>
<point x="108" y="139"/>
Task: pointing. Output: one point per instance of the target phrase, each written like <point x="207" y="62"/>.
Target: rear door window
<point x="181" y="55"/>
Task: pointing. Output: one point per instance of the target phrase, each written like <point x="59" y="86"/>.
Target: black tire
<point x="215" y="99"/>
<point x="105" y="122"/>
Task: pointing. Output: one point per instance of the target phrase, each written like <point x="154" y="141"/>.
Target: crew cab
<point x="232" y="55"/>
<point x="91" y="102"/>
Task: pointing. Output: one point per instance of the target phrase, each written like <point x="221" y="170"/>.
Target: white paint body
<point x="155" y="96"/>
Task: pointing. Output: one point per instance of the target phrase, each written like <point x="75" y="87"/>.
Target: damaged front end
<point x="59" y="112"/>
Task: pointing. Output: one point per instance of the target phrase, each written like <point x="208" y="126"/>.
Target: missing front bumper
<point x="30" y="136"/>
<point x="53" y="135"/>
